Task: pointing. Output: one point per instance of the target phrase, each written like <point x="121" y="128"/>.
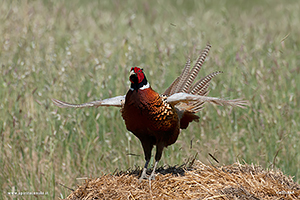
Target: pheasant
<point x="157" y="119"/>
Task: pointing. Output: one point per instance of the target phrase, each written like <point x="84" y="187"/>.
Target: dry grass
<point x="200" y="181"/>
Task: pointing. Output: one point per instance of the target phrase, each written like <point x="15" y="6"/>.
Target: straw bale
<point x="199" y="181"/>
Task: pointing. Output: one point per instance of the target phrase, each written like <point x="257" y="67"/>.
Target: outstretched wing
<point x="114" y="101"/>
<point x="186" y="98"/>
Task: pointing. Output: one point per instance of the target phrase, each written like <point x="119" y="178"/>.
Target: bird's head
<point x="138" y="79"/>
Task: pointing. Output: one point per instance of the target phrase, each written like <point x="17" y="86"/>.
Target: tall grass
<point x="78" y="51"/>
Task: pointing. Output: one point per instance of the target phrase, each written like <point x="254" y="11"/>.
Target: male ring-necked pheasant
<point x="157" y="119"/>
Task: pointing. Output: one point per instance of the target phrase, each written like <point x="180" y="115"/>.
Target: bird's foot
<point x="152" y="177"/>
<point x="144" y="175"/>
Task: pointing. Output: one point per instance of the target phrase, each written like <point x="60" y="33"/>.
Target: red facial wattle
<point x="139" y="73"/>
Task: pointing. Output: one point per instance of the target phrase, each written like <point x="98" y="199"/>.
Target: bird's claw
<point x="142" y="178"/>
<point x="152" y="177"/>
<point x="144" y="175"/>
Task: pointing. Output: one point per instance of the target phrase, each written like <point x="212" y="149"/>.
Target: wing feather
<point x="114" y="101"/>
<point x="184" y="97"/>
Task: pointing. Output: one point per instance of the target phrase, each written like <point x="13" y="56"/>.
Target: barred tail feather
<point x="179" y="81"/>
<point x="171" y="87"/>
<point x="184" y="76"/>
<point x="202" y="83"/>
<point x="195" y="70"/>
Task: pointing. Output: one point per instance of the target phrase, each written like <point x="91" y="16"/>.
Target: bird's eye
<point x="131" y="68"/>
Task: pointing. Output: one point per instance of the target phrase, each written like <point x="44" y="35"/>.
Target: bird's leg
<point x="159" y="149"/>
<point x="147" y="146"/>
<point x="152" y="176"/>
<point x="144" y="175"/>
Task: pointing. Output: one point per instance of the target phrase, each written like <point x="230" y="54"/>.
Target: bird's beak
<point x="132" y="73"/>
<point x="133" y="76"/>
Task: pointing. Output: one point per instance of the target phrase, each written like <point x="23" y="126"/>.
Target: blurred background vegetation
<point x="80" y="51"/>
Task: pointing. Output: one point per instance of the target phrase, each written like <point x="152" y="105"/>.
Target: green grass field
<point x="81" y="51"/>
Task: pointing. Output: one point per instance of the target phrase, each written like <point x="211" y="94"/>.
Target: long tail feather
<point x="184" y="76"/>
<point x="194" y="72"/>
<point x="200" y="85"/>
<point x="171" y="87"/>
<point x="179" y="81"/>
